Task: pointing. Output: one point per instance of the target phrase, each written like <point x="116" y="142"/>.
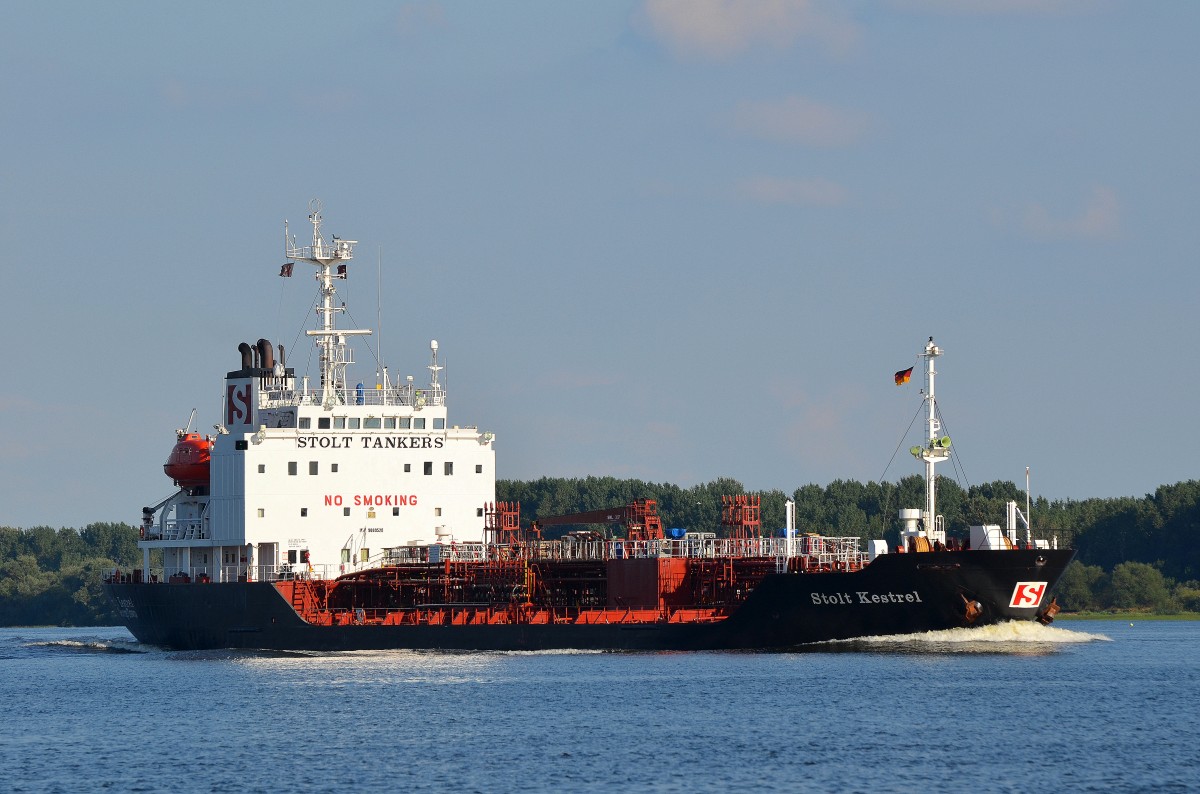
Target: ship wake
<point x="1012" y="637"/>
<point x="90" y="646"/>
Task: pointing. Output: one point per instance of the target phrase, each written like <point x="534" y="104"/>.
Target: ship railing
<point x="184" y="529"/>
<point x="401" y="396"/>
<point x="436" y="552"/>
<point x="820" y="552"/>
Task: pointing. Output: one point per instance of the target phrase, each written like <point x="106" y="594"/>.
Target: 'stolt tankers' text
<point x="370" y="442"/>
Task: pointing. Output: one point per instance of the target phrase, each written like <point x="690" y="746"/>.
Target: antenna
<point x="378" y="320"/>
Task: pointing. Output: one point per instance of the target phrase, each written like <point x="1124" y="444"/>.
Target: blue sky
<point x="666" y="240"/>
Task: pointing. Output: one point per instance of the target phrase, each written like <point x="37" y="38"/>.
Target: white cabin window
<point x="407" y="468"/>
<point x="262" y="468"/>
<point x="429" y="467"/>
<point x="304" y="512"/>
<point x="345" y="511"/>
<point x="293" y="467"/>
<point x="479" y="468"/>
<point x="312" y="467"/>
<point x="395" y="511"/>
<point x="333" y="467"/>
<point x="418" y="423"/>
<point x="345" y="555"/>
<point x="364" y="555"/>
<point x="479" y="512"/>
<point x="437" y="511"/>
<point x="448" y="467"/>
<point x="262" y="513"/>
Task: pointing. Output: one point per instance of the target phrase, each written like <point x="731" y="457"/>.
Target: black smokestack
<point x="266" y="355"/>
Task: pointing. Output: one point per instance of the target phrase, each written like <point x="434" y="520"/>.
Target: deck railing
<point x="815" y="551"/>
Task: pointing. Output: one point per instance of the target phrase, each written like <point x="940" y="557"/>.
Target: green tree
<point x="1082" y="587"/>
<point x="1137" y="585"/>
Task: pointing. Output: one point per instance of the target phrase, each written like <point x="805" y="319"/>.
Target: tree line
<point x="1132" y="552"/>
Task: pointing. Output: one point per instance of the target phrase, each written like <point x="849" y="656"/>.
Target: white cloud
<point x="1099" y="219"/>
<point x="725" y="28"/>
<point x="799" y="120"/>
<point x="810" y="192"/>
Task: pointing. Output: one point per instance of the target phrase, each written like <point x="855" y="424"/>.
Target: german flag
<point x="903" y="376"/>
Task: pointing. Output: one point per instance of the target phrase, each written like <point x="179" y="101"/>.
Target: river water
<point x="1082" y="706"/>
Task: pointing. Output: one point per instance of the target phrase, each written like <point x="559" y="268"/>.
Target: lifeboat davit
<point x="187" y="464"/>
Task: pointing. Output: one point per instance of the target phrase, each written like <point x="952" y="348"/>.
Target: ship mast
<point x="937" y="446"/>
<point x="935" y="450"/>
<point x="335" y="354"/>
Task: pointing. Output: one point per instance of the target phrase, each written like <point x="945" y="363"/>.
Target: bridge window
<point x="439" y="423"/>
<point x="305" y="423"/>
<point x="353" y="423"/>
<point x="405" y="422"/>
<point x="322" y="422"/>
<point x="339" y="423"/>
<point x="372" y="423"/>
<point x="389" y="423"/>
<point x="418" y="423"/>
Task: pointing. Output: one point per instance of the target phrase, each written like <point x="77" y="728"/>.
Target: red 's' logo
<point x="235" y="414"/>
<point x="1027" y="594"/>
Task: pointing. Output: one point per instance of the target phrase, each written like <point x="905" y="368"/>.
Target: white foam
<point x="92" y="646"/>
<point x="1009" y="637"/>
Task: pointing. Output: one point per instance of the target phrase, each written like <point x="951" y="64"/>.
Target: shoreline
<point x="1129" y="615"/>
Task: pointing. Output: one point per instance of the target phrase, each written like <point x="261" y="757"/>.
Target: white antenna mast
<point x="331" y="341"/>
<point x="382" y="380"/>
<point x="936" y="449"/>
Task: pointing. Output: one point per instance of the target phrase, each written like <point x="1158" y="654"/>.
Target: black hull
<point x="895" y="594"/>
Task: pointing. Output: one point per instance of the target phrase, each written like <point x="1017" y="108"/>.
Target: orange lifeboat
<point x="187" y="464"/>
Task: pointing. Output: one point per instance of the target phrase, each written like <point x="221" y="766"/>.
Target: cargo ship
<point x="328" y="515"/>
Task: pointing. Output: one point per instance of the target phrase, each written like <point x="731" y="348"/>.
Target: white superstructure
<point x="319" y="478"/>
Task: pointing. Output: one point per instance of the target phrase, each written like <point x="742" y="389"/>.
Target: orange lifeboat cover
<point x="187" y="464"/>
